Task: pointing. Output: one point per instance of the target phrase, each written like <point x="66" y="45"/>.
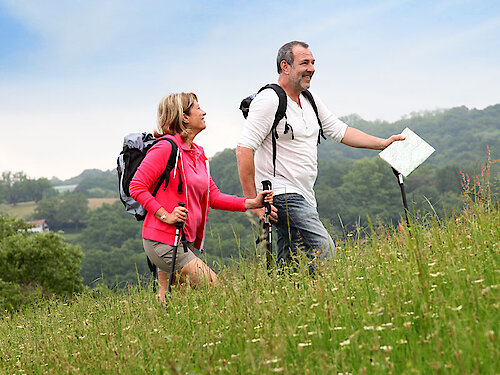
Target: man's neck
<point x="292" y="92"/>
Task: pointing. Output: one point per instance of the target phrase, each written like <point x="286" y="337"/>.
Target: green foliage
<point x="17" y="187"/>
<point x="11" y="296"/>
<point x="41" y="260"/>
<point x="225" y="172"/>
<point x="32" y="263"/>
<point x="109" y="226"/>
<point x="112" y="247"/>
<point x="61" y="212"/>
<point x="400" y="302"/>
<point x="98" y="184"/>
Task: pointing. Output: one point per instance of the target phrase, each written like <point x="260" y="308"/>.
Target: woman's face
<point x="195" y="118"/>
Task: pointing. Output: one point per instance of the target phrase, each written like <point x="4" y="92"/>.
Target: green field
<point x="25" y="209"/>
<point x="393" y="301"/>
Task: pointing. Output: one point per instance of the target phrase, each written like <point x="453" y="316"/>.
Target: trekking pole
<point x="399" y="176"/>
<point x="266" y="185"/>
<point x="178" y="228"/>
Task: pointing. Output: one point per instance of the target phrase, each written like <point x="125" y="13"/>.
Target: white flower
<point x="346" y="342"/>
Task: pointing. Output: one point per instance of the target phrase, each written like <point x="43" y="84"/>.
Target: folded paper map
<point x="405" y="156"/>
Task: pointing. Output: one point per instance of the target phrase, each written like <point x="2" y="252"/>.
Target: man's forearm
<point x="246" y="171"/>
<point x="356" y="138"/>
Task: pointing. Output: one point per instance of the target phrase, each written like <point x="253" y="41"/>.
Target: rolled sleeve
<point x="260" y="119"/>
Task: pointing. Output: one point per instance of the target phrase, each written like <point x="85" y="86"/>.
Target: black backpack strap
<point x="280" y="113"/>
<point x="170" y="165"/>
<point x="310" y="98"/>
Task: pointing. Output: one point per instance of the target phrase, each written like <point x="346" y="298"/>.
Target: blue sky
<point x="76" y="76"/>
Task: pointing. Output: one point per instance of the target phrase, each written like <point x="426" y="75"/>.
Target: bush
<point x="11" y="296"/>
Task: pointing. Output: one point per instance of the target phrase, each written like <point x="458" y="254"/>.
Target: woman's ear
<point x="185" y="118"/>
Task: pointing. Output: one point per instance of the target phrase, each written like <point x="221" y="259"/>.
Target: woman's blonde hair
<point x="170" y="111"/>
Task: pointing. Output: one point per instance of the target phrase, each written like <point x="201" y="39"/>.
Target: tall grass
<point x="394" y="301"/>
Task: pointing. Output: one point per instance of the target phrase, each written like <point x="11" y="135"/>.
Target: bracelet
<point x="163" y="217"/>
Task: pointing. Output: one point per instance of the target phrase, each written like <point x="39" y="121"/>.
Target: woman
<point x="180" y="118"/>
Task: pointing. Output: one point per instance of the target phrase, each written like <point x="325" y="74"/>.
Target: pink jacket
<point x="145" y="180"/>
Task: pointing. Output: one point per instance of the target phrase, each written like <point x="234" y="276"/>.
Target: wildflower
<point x="314" y="305"/>
<point x="211" y="344"/>
<point x="458" y="308"/>
<point x="304" y="326"/>
<point x="278" y="369"/>
<point x="460" y="270"/>
<point x="346" y="342"/>
<point x="402" y="341"/>
<point x="368" y="328"/>
<point x="477" y="281"/>
<point x="312" y="333"/>
<point x="254" y="340"/>
<point x="387" y="324"/>
<point x="386" y="348"/>
<point x="435" y="274"/>
<point x="269" y="361"/>
<point x="338" y="328"/>
<point x="360" y="278"/>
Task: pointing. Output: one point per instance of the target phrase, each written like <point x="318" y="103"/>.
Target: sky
<point x="77" y="76"/>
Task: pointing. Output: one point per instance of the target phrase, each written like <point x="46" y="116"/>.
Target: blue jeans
<point x="299" y="228"/>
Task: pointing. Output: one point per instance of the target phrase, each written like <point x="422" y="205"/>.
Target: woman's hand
<point x="264" y="197"/>
<point x="256" y="204"/>
<point x="179" y="214"/>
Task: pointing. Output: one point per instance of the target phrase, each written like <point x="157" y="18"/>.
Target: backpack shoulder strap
<point x="280" y="113"/>
<point x="310" y="98"/>
<point x="170" y="165"/>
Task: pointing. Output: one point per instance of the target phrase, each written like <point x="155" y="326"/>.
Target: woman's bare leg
<point x="198" y="273"/>
<point x="162" y="285"/>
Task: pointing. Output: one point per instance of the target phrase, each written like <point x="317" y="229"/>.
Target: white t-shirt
<point x="296" y="159"/>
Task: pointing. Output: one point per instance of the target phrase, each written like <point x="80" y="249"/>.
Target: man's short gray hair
<point x="285" y="53"/>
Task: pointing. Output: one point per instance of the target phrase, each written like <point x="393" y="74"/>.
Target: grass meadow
<point x="391" y="302"/>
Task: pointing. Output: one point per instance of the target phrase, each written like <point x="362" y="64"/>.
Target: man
<point x="294" y="174"/>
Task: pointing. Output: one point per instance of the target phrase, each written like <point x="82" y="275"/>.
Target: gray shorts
<point x="161" y="255"/>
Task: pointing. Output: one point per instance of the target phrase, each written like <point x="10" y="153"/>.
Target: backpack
<point x="280" y="113"/>
<point x="135" y="147"/>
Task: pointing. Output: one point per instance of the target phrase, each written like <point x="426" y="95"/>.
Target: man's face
<point x="302" y="68"/>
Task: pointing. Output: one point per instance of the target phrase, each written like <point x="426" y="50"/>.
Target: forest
<point x="355" y="189"/>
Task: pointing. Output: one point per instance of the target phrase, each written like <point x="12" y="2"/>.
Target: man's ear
<point x="284" y="66"/>
<point x="185" y="118"/>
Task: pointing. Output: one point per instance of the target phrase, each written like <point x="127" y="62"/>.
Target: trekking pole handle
<point x="179" y="224"/>
<point x="266" y="185"/>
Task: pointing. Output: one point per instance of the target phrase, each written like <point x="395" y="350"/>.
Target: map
<point x="405" y="156"/>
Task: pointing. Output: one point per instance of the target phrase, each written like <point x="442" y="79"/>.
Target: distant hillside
<point x="86" y="174"/>
<point x="459" y="135"/>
